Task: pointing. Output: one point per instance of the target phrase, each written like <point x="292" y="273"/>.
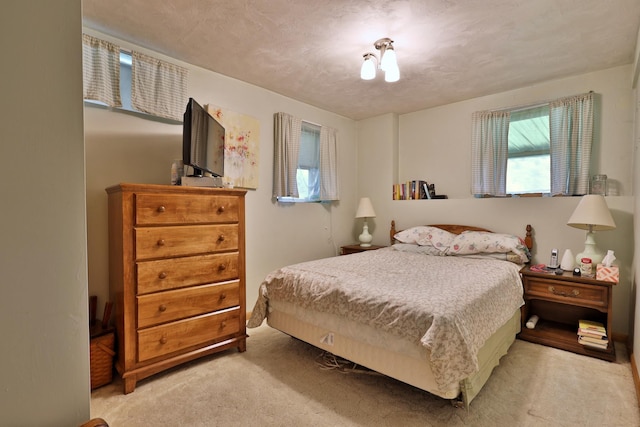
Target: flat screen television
<point x="202" y="141"/>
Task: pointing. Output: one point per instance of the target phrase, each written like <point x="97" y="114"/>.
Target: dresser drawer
<point x="567" y="293"/>
<point x="162" y="307"/>
<point x="172" y="273"/>
<point x="182" y="334"/>
<point x="165" y="209"/>
<point x="165" y="242"/>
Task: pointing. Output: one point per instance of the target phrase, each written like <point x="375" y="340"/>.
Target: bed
<point x="437" y="309"/>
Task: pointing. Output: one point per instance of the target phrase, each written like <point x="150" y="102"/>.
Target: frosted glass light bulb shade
<point x="389" y="59"/>
<point x="392" y="74"/>
<point x="368" y="69"/>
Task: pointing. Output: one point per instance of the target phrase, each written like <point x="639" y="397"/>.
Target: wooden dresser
<point x="177" y="275"/>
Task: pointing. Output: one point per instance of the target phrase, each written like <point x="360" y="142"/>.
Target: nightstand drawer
<point x="567" y="293"/>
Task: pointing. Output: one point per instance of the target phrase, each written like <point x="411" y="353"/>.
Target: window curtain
<point x="571" y="128"/>
<point x="328" y="164"/>
<point x="489" y="153"/>
<point x="287" y="131"/>
<point x="158" y="87"/>
<point x="101" y="71"/>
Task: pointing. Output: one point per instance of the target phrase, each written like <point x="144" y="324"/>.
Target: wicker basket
<point x="101" y="351"/>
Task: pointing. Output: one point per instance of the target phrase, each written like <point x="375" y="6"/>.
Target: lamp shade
<point x="365" y="209"/>
<point x="368" y="70"/>
<point x="392" y="74"/>
<point x="592" y="213"/>
<point x="388" y="59"/>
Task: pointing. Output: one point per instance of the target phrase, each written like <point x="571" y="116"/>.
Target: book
<point x="590" y="344"/>
<point x="425" y="188"/>
<point x="591" y="327"/>
<point x="600" y="340"/>
<point x="590" y="335"/>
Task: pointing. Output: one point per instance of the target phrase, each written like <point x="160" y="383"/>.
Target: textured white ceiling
<point x="448" y="50"/>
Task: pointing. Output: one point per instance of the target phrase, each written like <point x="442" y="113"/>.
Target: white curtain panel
<point x="328" y="164"/>
<point x="101" y="71"/>
<point x="287" y="131"/>
<point x="489" y="152"/>
<point x="158" y="87"/>
<point x="571" y="128"/>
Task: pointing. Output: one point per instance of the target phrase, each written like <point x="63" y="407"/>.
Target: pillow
<point x="477" y="242"/>
<point x="410" y="247"/>
<point x="425" y="235"/>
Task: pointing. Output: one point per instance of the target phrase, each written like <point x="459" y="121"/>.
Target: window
<point x="308" y="172"/>
<point x="305" y="162"/>
<point x="528" y="161"/>
<point x="543" y="149"/>
<point x="132" y="82"/>
<point x="125" y="80"/>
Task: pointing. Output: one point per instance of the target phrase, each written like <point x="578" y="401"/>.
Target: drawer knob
<point x="573" y="293"/>
<point x="162" y="275"/>
<point x="163" y="340"/>
<point x="161" y="209"/>
<point x="220" y="209"/>
<point x="161" y="242"/>
<point x="162" y="308"/>
<point x="223" y="296"/>
<point x="222" y="267"/>
<point x="223" y="324"/>
<point x="221" y="238"/>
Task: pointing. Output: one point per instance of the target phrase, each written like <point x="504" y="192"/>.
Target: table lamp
<point x="591" y="214"/>
<point x="365" y="210"/>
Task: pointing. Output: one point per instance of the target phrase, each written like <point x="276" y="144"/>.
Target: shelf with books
<point x="415" y="190"/>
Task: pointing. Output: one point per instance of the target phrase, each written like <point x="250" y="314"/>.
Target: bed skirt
<point x="411" y="366"/>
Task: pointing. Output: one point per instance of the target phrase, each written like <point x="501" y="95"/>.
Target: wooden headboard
<point x="457" y="229"/>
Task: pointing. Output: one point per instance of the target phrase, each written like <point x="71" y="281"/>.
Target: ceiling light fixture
<point x="386" y="63"/>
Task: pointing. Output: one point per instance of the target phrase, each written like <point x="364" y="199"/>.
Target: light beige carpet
<point x="279" y="382"/>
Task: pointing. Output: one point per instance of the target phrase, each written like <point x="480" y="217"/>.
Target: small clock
<point x="576" y="272"/>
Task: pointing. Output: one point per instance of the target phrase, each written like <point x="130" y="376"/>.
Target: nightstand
<point x="353" y="249"/>
<point x="560" y="301"/>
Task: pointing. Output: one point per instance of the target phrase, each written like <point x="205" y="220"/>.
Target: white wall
<point x="43" y="260"/>
<point x="635" y="295"/>
<point x="125" y="148"/>
<point x="434" y="144"/>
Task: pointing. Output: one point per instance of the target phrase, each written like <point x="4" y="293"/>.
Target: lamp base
<point x="590" y="250"/>
<point x="365" y="238"/>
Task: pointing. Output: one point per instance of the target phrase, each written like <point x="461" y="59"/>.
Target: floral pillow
<point x="425" y="235"/>
<point x="482" y="242"/>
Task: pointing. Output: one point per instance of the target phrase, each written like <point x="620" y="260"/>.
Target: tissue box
<point x="608" y="274"/>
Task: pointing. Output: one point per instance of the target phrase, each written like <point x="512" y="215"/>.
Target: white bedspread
<point x="450" y="305"/>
